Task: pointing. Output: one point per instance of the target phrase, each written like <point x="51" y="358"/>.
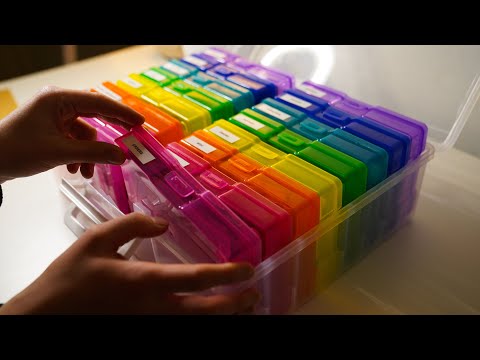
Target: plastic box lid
<point x="420" y="82"/>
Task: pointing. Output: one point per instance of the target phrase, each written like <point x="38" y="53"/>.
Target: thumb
<point x="109" y="236"/>
<point x="86" y="151"/>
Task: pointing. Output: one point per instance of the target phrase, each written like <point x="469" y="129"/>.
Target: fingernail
<point x="117" y="157"/>
<point x="160" y="222"/>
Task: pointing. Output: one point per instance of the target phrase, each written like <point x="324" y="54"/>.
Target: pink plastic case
<point x="199" y="221"/>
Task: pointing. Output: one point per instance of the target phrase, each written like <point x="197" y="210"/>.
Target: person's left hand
<point x="46" y="132"/>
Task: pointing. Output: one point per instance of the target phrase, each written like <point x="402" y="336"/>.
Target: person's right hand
<point x="91" y="278"/>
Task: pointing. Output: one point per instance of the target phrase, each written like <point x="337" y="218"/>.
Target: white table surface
<point x="429" y="266"/>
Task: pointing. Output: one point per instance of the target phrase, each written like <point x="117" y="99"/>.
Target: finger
<point x="86" y="103"/>
<point x="109" y="236"/>
<point x="111" y="120"/>
<point x="215" y="304"/>
<point x="87" y="170"/>
<point x="190" y="277"/>
<point x="84" y="151"/>
<point x="73" y="168"/>
<point x="81" y="130"/>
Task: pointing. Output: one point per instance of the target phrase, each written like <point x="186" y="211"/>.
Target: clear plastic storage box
<point x="346" y="236"/>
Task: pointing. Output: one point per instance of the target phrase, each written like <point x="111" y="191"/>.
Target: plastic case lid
<point x="194" y="164"/>
<point x="265" y="154"/>
<point x="179" y="68"/>
<point x="218" y="106"/>
<point x="208" y="147"/>
<point x="280" y="112"/>
<point x="257" y="124"/>
<point x="328" y="187"/>
<point x="282" y="80"/>
<point x="163" y="126"/>
<point x="232" y="134"/>
<point x="201" y="61"/>
<point x="191" y="116"/>
<point x="240" y="167"/>
<point x="159" y="75"/>
<point x="136" y="84"/>
<point x="438" y="85"/>
<point x="220" y="54"/>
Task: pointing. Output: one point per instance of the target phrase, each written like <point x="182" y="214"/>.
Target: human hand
<point x="92" y="278"/>
<point x="46" y="132"/>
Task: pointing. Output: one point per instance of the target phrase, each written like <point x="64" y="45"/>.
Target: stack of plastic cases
<point x="328" y="188"/>
<point x="297" y="295"/>
<point x="292" y="130"/>
<point x="272" y="223"/>
<point x="260" y="88"/>
<point x="339" y="117"/>
<point x="402" y="140"/>
<point x="164" y="127"/>
<point x="220" y="145"/>
<point x="191" y="116"/>
<point x="201" y="226"/>
<point x="218" y="106"/>
<point x="240" y="97"/>
<point x="281" y="79"/>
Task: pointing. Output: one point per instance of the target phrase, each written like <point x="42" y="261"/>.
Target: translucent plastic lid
<point x="435" y="84"/>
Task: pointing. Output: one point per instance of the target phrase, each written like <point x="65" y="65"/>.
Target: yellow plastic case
<point x="232" y="134"/>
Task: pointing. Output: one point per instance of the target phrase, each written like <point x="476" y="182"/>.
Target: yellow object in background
<point x="7" y="103"/>
<point x="171" y="51"/>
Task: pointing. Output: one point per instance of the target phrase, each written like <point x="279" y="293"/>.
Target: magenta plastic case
<point x="199" y="221"/>
<point x="273" y="223"/>
<point x="109" y="178"/>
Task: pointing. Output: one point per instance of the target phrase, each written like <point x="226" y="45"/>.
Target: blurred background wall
<point x="18" y="60"/>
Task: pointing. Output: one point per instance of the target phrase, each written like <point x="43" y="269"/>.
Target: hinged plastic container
<point x="411" y="81"/>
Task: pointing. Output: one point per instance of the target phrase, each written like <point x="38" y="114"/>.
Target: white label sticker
<point x="106" y="91"/>
<point x="224" y="134"/>
<point x="194" y="60"/>
<point x="175" y="68"/>
<point x="155" y="75"/>
<point x="137" y="148"/>
<point x="132" y="83"/>
<point x="245" y="120"/>
<point x="182" y="161"/>
<point x="295" y="100"/>
<point x="312" y="91"/>
<point x="216" y="54"/>
<point x="200" y="144"/>
<point x="272" y="111"/>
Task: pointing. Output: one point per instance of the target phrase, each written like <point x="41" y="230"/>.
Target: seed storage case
<point x="342" y="238"/>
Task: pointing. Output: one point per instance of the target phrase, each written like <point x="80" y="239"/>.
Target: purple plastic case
<point x="326" y="93"/>
<point x="352" y="106"/>
<point x="220" y="55"/>
<point x="109" y="178"/>
<point x="416" y="130"/>
<point x="195" y="215"/>
<point x="282" y="80"/>
<point x="200" y="61"/>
